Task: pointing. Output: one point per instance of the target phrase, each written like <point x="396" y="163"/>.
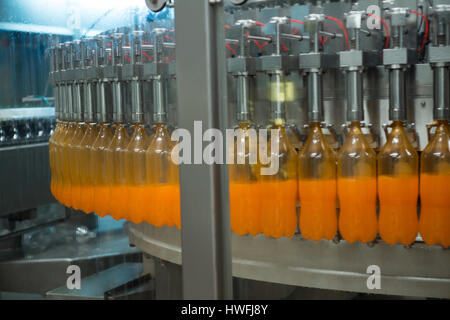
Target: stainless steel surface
<point x="418" y="271"/>
<point x="47" y="270"/>
<point x="95" y="287"/>
<point x="205" y="208"/>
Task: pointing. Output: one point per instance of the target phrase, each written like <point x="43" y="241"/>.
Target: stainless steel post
<point x="201" y="90"/>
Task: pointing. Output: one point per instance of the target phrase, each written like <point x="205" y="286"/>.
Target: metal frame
<point x="418" y="271"/>
<point x="201" y="78"/>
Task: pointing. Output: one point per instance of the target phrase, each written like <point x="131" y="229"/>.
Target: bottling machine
<point x="358" y="95"/>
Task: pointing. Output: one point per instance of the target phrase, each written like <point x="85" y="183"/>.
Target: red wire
<point x="284" y="48"/>
<point x="343" y="30"/>
<point x="259" y="23"/>
<point x="148" y="57"/>
<point x="127" y="58"/>
<point x="425" y="38"/>
<point x="388" y="36"/>
<point x="227" y="27"/>
<point x="230" y="48"/>
<point x="297" y="21"/>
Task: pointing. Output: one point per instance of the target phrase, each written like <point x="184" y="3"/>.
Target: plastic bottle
<point x="66" y="193"/>
<point x="434" y="224"/>
<point x="245" y="198"/>
<point x="135" y="174"/>
<point x="317" y="187"/>
<point x="115" y="171"/>
<point x="98" y="171"/>
<point x="162" y="191"/>
<point x="84" y="160"/>
<point x="52" y="147"/>
<point x="357" y="187"/>
<point x="278" y="192"/>
<point x="398" y="188"/>
<point x="74" y="165"/>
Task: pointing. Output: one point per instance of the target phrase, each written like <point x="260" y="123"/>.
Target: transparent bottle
<point x="398" y="188"/>
<point x="115" y="172"/>
<point x="84" y="159"/>
<point x="162" y="191"/>
<point x="317" y="187"/>
<point x="135" y="174"/>
<point x="74" y="146"/>
<point x="66" y="193"/>
<point x="434" y="224"/>
<point x="357" y="187"/>
<point x="244" y="177"/>
<point x="52" y="146"/>
<point x="278" y="191"/>
<point x="98" y="169"/>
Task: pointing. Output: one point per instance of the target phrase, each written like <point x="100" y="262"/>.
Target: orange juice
<point x="245" y="207"/>
<point x="115" y="172"/>
<point x="163" y="204"/>
<point x="317" y="187"/>
<point x="98" y="170"/>
<point x="74" y="150"/>
<point x="435" y="214"/>
<point x="52" y="142"/>
<point x="398" y="208"/>
<point x="66" y="193"/>
<point x="278" y="207"/>
<point x="161" y="191"/>
<point x="398" y="188"/>
<point x="357" y="217"/>
<point x="357" y="187"/>
<point x="318" y="218"/>
<point x="434" y="225"/>
<point x="135" y="173"/>
<point x="86" y="183"/>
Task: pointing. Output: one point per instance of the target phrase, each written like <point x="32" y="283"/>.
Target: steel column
<point x="201" y="94"/>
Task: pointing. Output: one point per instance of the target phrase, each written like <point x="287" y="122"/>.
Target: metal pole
<point x="201" y="94"/>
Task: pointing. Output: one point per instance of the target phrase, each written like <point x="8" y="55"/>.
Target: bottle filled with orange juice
<point x="162" y="190"/>
<point x="398" y="188"/>
<point x="54" y="139"/>
<point x="434" y="224"/>
<point x="136" y="175"/>
<point x="245" y="201"/>
<point x="277" y="187"/>
<point x="317" y="187"/>
<point x="135" y="162"/>
<point x="91" y="131"/>
<point x="97" y="166"/>
<point x="75" y="146"/>
<point x="244" y="179"/>
<point x="357" y="187"/>
<point x="63" y="150"/>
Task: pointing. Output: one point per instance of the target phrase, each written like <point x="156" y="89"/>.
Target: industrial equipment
<point x="350" y="99"/>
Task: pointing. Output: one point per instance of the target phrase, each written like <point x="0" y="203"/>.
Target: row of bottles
<point x="100" y="168"/>
<point x="352" y="180"/>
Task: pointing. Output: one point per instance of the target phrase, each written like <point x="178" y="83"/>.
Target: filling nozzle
<point x="103" y="85"/>
<point x="78" y="79"/>
<point x="397" y="59"/>
<point x="68" y="62"/>
<point x="136" y="78"/>
<point x="89" y="80"/>
<point x="353" y="63"/>
<point x="313" y="66"/>
<point x="117" y="63"/>
<point x="159" y="79"/>
<point x="439" y="58"/>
